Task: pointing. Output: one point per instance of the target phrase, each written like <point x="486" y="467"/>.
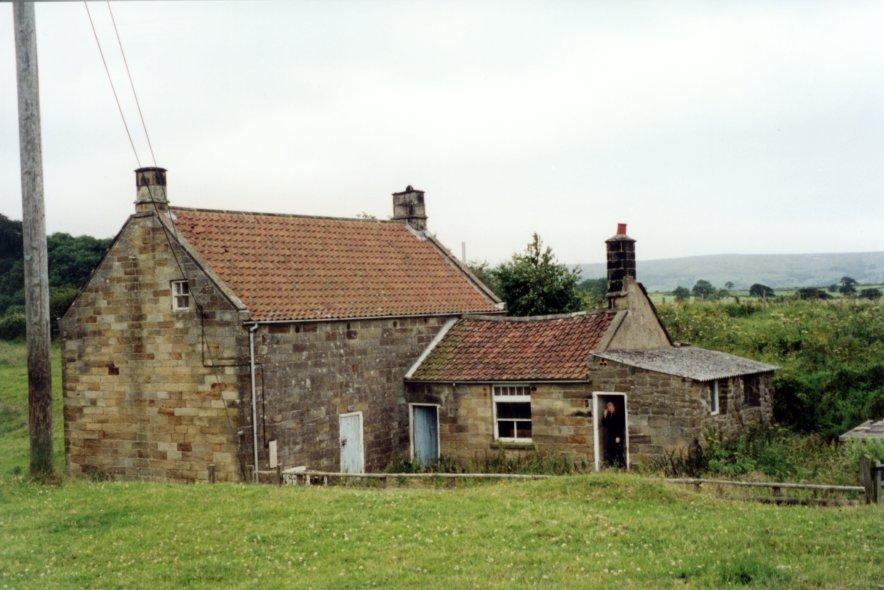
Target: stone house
<point x="490" y="383"/>
<point x="193" y="314"/>
<point x="240" y="339"/>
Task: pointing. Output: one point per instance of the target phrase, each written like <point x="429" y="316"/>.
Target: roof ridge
<point x="270" y="214"/>
<point x="538" y="318"/>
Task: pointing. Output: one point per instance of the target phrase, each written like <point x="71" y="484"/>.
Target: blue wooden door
<point x="425" y="428"/>
<point x="352" y="457"/>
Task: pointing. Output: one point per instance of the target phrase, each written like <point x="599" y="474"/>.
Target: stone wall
<point x="313" y="372"/>
<point x="559" y="415"/>
<point x="665" y="412"/>
<point x="641" y="328"/>
<point x="146" y="392"/>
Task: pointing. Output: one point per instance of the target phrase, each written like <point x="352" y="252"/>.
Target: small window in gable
<point x="512" y="413"/>
<point x="713" y="398"/>
<point x="180" y="295"/>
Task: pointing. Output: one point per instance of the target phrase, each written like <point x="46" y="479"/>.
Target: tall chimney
<point x="621" y="263"/>
<point x="150" y="184"/>
<point x="408" y="206"/>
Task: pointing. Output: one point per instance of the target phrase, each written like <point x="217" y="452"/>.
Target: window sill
<point x="526" y="445"/>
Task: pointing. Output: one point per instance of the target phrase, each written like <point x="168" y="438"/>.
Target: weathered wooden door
<point x="425" y="433"/>
<point x="352" y="455"/>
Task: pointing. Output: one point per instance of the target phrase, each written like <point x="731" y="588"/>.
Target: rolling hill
<point x="775" y="270"/>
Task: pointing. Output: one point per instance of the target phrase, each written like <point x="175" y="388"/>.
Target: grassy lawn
<point x="605" y="531"/>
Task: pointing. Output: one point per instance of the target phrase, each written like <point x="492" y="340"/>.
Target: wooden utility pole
<point x="34" y="237"/>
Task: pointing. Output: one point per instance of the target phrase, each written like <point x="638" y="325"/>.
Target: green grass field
<point x="600" y="531"/>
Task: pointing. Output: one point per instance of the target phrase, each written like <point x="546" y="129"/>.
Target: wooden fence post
<point x="879" y="482"/>
<point x="211" y="473"/>
<point x="865" y="479"/>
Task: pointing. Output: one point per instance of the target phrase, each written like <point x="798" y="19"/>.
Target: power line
<point x="131" y="83"/>
<point x="110" y="80"/>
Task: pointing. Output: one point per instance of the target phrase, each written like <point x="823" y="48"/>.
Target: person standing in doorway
<point x="614" y="425"/>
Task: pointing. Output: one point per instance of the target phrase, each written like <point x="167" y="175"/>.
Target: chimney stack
<point x="408" y="206"/>
<point x="621" y="264"/>
<point x="150" y="184"/>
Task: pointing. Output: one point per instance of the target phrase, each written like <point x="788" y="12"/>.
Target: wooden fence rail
<point x="871" y="476"/>
<point x="776" y="489"/>
<point x="291" y="477"/>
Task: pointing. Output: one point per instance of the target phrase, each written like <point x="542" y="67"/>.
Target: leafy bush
<point x="811" y="293"/>
<point x="769" y="452"/>
<point x="12" y="326"/>
<point x="830" y="354"/>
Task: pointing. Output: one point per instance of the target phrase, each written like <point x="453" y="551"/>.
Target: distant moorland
<point x="774" y="270"/>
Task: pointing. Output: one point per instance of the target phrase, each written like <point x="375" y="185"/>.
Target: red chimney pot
<point x="621" y="229"/>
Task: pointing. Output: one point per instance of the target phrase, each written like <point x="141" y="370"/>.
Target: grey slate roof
<point x="694" y="363"/>
<point x="866" y="430"/>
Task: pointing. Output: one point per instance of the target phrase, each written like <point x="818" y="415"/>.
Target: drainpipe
<point x="254" y="401"/>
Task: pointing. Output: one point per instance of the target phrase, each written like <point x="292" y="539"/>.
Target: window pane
<point x="506" y="429"/>
<point x="514" y="410"/>
<point x="523" y="429"/>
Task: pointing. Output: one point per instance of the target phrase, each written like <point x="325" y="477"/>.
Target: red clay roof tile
<point x="509" y="349"/>
<point x="289" y="267"/>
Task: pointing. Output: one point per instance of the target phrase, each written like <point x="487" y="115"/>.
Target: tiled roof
<point x="515" y="349"/>
<point x="288" y="267"/>
<point x="688" y="361"/>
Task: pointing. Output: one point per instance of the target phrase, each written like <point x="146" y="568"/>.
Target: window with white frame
<point x="180" y="295"/>
<point x="512" y="413"/>
<point x="713" y="397"/>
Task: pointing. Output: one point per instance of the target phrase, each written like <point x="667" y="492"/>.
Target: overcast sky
<point x="709" y="128"/>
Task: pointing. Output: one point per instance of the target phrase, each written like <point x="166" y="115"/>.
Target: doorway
<point x="600" y="433"/>
<point x="350" y="438"/>
<point x="425" y="433"/>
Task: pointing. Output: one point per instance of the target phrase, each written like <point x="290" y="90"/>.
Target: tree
<point x="870" y="293"/>
<point x="71" y="261"/>
<point x="762" y="291"/>
<point x="533" y="283"/>
<point x="722" y="294"/>
<point x="681" y="293"/>
<point x="593" y="291"/>
<point x="483" y="272"/>
<point x="729" y="285"/>
<point x="811" y="293"/>
<point x="848" y="286"/>
<point x="703" y="289"/>
<point x="833" y="288"/>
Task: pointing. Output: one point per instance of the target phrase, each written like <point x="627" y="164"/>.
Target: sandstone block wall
<point x="139" y="400"/>
<point x="664" y="412"/>
<point x="313" y="372"/>
<point x="559" y="415"/>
